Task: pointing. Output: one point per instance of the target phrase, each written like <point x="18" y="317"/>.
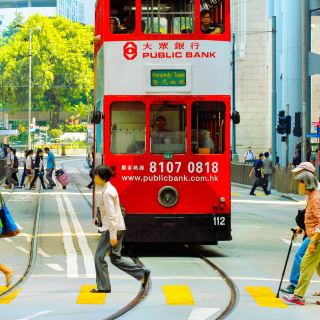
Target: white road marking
<point x="6" y="239"/>
<point x="23" y="250"/>
<point x="42" y="253"/>
<point x="35" y="315"/>
<point x="27" y="236"/>
<point x="294" y="244"/>
<point x="284" y="203"/>
<point x="82" y="240"/>
<point x="202" y="313"/>
<point x="55" y="266"/>
<point x="72" y="263"/>
<point x="50" y="193"/>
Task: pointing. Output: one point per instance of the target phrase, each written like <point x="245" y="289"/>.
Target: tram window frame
<point x="117" y="11"/>
<point x="135" y="146"/>
<point x="165" y="13"/>
<point x="217" y="11"/>
<point x="206" y="137"/>
<point x="161" y="109"/>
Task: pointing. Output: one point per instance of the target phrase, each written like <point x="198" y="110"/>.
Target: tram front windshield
<point x="168" y="122"/>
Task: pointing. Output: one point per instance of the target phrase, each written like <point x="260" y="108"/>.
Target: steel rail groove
<point x="234" y="297"/>
<point x="33" y="250"/>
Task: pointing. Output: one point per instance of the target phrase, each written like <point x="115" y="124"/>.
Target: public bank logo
<point x="130" y="50"/>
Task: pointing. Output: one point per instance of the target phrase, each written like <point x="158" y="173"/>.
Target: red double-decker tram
<point x="163" y="79"/>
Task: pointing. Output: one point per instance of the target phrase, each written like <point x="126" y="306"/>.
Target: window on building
<point x="208" y="127"/>
<point x="122" y="16"/>
<point x="128" y="120"/>
<point x="167" y="127"/>
<point x="168" y="17"/>
<point x="212" y="16"/>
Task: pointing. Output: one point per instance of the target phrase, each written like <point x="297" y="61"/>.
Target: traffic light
<point x="284" y="123"/>
<point x="297" y="130"/>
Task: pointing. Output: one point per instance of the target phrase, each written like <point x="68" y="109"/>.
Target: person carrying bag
<point x="8" y="227"/>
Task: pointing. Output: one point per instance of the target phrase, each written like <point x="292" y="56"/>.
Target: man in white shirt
<point x="249" y="156"/>
<point x="112" y="229"/>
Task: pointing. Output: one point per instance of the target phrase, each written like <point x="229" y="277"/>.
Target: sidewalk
<point x="290" y="196"/>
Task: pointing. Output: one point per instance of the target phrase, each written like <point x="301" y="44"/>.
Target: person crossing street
<point x="51" y="166"/>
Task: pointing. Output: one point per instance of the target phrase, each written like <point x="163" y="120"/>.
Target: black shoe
<point x="100" y="291"/>
<point x="252" y="194"/>
<point x="289" y="289"/>
<point x="145" y="278"/>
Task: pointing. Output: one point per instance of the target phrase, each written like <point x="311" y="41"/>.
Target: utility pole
<point x="287" y="139"/>
<point x="30" y="86"/>
<point x="30" y="83"/>
<point x="274" y="89"/>
<point x="304" y="12"/>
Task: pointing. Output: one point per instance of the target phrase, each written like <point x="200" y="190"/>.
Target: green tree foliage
<point x="55" y="133"/>
<point x="62" y="66"/>
<point x="13" y="27"/>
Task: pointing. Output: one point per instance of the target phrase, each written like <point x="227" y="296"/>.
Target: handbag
<point x="9" y="227"/>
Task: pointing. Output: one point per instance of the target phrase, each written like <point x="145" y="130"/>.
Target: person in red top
<point x="311" y="260"/>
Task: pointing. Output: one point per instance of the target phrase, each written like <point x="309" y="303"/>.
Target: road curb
<point x="289" y="196"/>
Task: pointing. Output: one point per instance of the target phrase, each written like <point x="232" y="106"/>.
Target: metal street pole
<point x="274" y="89"/>
<point x="30" y="87"/>
<point x="304" y="12"/>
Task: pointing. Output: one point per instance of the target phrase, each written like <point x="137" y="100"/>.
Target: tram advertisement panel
<point x="203" y="67"/>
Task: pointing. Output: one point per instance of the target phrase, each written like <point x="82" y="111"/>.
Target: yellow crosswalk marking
<point x="265" y="297"/>
<point x="86" y="297"/>
<point x="235" y="194"/>
<point x="10" y="297"/>
<point x="178" y="295"/>
<point x="260" y="194"/>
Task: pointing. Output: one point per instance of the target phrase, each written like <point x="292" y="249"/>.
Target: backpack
<point x="300" y="219"/>
<point x="15" y="162"/>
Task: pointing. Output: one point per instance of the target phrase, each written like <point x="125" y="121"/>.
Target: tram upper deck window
<point x="122" y="16"/>
<point x="168" y="17"/>
<point x="168" y="122"/>
<point x="212" y="16"/>
<point x="128" y="120"/>
<point x="208" y="127"/>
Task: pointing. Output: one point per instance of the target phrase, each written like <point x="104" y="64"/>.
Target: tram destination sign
<point x="168" y="78"/>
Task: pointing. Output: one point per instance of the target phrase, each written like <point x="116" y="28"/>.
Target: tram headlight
<point x="168" y="196"/>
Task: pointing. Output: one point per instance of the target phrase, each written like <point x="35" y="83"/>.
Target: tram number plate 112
<point x="219" y="221"/>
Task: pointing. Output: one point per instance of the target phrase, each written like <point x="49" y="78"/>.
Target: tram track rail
<point x="143" y="292"/>
<point x="33" y="250"/>
<point x="234" y="293"/>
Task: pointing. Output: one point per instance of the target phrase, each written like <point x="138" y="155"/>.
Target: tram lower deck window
<point x="167" y="128"/>
<point x="128" y="121"/>
<point x="208" y="127"/>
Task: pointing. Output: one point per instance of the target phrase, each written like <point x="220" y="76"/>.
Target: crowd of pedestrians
<point x="33" y="169"/>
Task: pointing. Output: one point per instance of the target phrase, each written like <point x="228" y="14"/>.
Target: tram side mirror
<point x="97" y="117"/>
<point x="235" y="117"/>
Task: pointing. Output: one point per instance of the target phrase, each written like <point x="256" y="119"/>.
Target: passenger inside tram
<point x="206" y="144"/>
<point x="207" y="26"/>
<point x="208" y="127"/>
<point x="167" y="128"/>
<point x="114" y="25"/>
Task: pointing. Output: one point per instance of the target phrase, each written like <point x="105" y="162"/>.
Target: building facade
<point x="251" y="29"/>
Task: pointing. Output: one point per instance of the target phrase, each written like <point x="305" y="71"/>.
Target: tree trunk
<point x="55" y="116"/>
